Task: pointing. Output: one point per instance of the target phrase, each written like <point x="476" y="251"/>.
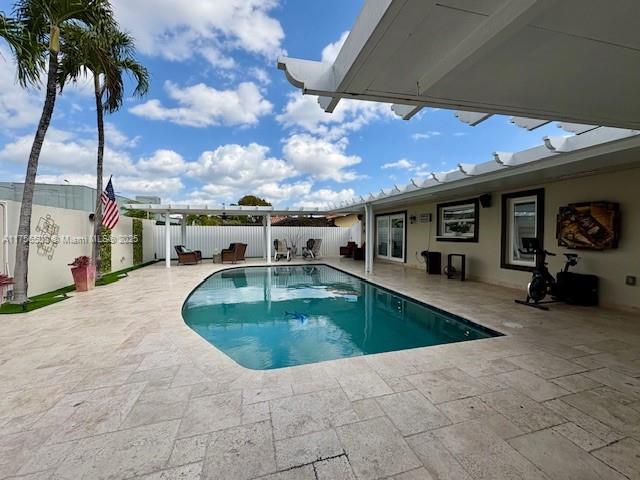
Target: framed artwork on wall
<point x="589" y="225"/>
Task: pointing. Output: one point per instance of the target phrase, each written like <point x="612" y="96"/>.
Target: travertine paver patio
<point x="112" y="384"/>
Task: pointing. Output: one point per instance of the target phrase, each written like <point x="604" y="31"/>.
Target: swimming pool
<point x="273" y="317"/>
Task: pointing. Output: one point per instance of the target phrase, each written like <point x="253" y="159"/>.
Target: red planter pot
<point x="84" y="277"/>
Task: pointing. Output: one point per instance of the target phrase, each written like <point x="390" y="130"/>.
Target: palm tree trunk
<point x="97" y="219"/>
<point x="24" y="227"/>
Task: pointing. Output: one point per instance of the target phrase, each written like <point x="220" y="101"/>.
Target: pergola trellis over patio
<point x="265" y="212"/>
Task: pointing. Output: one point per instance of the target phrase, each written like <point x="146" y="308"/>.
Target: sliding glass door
<point x="382" y="242"/>
<point x="390" y="235"/>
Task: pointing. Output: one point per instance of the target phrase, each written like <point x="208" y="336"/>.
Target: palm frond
<point x="109" y="54"/>
<point x="29" y="57"/>
<point x="37" y="19"/>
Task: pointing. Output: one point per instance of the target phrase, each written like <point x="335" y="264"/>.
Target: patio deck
<point x="112" y="384"/>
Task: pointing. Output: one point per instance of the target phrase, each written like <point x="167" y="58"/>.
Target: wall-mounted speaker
<point x="485" y="200"/>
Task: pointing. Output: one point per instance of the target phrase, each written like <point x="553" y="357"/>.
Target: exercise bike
<point x="542" y="282"/>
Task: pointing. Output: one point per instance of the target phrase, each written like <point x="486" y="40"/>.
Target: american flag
<point x="110" y="211"/>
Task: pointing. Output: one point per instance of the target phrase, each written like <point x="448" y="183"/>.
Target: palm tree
<point x="42" y="21"/>
<point x="107" y="54"/>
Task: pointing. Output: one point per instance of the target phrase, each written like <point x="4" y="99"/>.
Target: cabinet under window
<point x="522" y="217"/>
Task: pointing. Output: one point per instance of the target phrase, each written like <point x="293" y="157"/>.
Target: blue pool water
<point x="272" y="317"/>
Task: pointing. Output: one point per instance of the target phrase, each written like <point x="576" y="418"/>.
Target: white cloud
<point x="322" y="159"/>
<point x="115" y="137"/>
<point x="178" y="30"/>
<point x="260" y="74"/>
<point x="276" y="192"/>
<point x="330" y="52"/>
<point x="426" y="135"/>
<point x="124" y="185"/>
<point x="18" y="107"/>
<point x="302" y="112"/>
<point x="71" y="157"/>
<point x="162" y="162"/>
<point x="324" y="197"/>
<point x="301" y="194"/>
<point x="238" y="169"/>
<point x="402" y="163"/>
<point x="63" y="150"/>
<point x="216" y="58"/>
<point x="418" y="170"/>
<point x="202" y="106"/>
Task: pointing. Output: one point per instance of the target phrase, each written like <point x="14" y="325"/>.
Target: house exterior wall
<point x="346" y="221"/>
<point x="49" y="270"/>
<point x="483" y="257"/>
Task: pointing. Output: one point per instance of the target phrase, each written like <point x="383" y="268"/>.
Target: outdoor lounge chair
<point x="347" y="251"/>
<point x="188" y="257"/>
<point x="281" y="250"/>
<point x="312" y="250"/>
<point x="235" y="253"/>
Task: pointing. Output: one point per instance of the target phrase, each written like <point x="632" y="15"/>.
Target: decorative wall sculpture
<point x="48" y="232"/>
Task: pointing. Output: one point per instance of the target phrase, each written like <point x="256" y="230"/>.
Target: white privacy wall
<point x="49" y="269"/>
<point x="209" y="238"/>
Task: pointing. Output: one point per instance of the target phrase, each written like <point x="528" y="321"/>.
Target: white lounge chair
<point x="281" y="250"/>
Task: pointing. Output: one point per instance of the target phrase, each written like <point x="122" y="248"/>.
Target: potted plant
<point x="84" y="273"/>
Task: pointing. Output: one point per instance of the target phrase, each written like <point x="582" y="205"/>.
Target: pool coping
<point x="494" y="333"/>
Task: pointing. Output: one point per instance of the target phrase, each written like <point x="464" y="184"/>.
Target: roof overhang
<point x="571" y="60"/>
<point x="556" y="160"/>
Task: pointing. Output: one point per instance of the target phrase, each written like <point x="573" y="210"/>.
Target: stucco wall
<point x="346" y="221"/>
<point x="483" y="258"/>
<point x="49" y="270"/>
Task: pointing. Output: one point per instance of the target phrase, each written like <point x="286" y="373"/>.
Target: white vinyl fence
<point x="207" y="239"/>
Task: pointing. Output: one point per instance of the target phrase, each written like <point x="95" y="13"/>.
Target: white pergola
<point x="576" y="61"/>
<point x="220" y="210"/>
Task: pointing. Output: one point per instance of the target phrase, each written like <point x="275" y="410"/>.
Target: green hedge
<point x="137" y="245"/>
<point x="105" y="251"/>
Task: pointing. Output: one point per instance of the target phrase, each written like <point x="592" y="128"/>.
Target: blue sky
<point x="221" y="121"/>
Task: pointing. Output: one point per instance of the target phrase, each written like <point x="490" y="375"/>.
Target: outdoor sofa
<point x="188" y="257"/>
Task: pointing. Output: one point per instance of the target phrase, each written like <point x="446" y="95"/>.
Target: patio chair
<point x="347" y="251"/>
<point x="358" y="252"/>
<point x="281" y="250"/>
<point x="235" y="253"/>
<point x="317" y="243"/>
<point x="307" y="250"/>
<point x="188" y="257"/>
<point x="312" y="250"/>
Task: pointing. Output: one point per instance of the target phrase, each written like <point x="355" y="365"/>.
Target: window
<point x="458" y="221"/>
<point x="522" y="217"/>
